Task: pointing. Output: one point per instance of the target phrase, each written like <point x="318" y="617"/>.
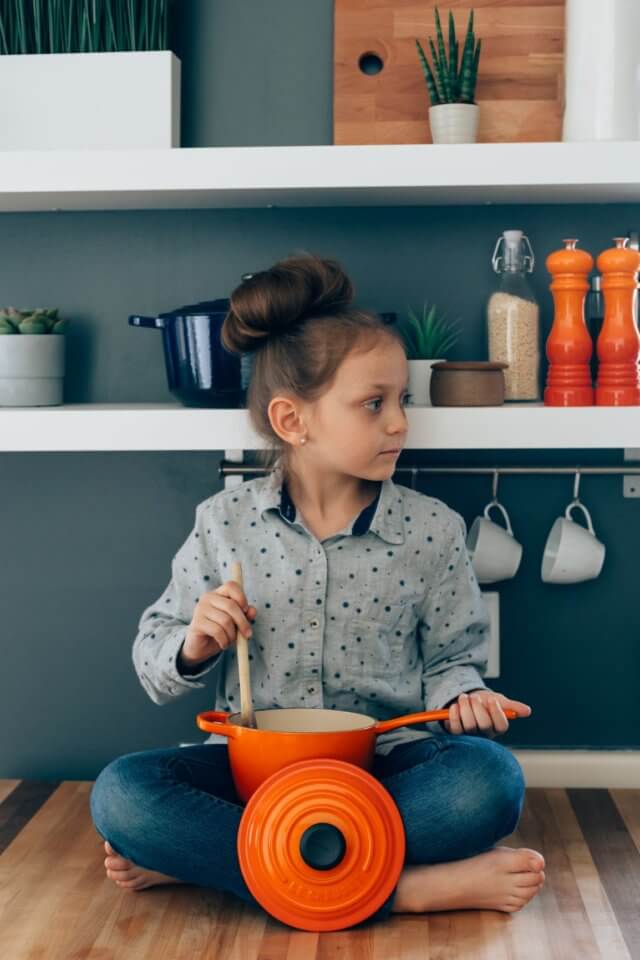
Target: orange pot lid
<point x="321" y="845"/>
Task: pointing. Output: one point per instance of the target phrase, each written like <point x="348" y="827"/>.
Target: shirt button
<point x="314" y="622"/>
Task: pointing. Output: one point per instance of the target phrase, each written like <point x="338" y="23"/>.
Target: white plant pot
<point x="454" y="122"/>
<point x="420" y="382"/>
<point x="31" y="369"/>
<point x="58" y="101"/>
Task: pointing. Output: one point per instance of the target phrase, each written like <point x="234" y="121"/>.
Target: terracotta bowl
<point x="467" y="383"/>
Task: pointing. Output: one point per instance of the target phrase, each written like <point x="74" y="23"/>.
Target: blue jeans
<point x="176" y="810"/>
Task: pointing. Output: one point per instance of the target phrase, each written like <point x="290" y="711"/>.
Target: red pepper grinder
<point x="618" y="383"/>
<point x="569" y="346"/>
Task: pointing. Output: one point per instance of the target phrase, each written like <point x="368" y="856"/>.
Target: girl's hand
<point x="482" y="712"/>
<point x="215" y="620"/>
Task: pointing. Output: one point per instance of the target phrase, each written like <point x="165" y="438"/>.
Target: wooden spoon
<point x="247" y="716"/>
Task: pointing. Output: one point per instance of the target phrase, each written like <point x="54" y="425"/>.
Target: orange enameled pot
<point x="283" y="737"/>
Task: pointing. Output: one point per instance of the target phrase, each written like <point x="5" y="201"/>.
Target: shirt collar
<point x="382" y="517"/>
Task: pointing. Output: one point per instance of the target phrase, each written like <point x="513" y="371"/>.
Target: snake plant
<point x="451" y="80"/>
<point x="83" y="26"/>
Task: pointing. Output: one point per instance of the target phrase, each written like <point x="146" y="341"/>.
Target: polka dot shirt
<point x="384" y="617"/>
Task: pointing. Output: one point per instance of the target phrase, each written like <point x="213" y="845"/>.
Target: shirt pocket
<point x="382" y="639"/>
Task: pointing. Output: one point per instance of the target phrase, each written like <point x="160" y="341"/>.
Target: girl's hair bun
<point x="274" y="301"/>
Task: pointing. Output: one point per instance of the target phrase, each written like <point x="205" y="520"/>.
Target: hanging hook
<point x="494" y="486"/>
<point x="576" y="487"/>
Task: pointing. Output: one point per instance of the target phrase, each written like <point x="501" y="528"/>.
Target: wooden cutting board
<point x="520" y="77"/>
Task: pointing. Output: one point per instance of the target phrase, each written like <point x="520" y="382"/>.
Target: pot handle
<point x="217" y="721"/>
<point x="154" y="322"/>
<point x="428" y="717"/>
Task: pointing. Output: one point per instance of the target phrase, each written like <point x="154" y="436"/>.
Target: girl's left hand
<point x="482" y="712"/>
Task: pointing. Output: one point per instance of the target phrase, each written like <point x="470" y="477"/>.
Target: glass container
<point x="513" y="318"/>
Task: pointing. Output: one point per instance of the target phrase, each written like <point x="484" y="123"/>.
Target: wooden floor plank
<point x="628" y="804"/>
<point x="6" y="786"/>
<point x="564" y="929"/>
<point x="19" y="806"/>
<point x="594" y="896"/>
<point x="616" y="857"/>
<point x="54" y="858"/>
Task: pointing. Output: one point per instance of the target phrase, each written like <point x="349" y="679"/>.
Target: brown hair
<point x="298" y="320"/>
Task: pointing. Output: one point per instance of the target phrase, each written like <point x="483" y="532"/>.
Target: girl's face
<point x="359" y="425"/>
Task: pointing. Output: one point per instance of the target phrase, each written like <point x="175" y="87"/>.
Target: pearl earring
<point x="303" y="439"/>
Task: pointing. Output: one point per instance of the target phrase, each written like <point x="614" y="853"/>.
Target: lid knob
<point x="322" y="846"/>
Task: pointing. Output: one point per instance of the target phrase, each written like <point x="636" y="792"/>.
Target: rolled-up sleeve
<point x="454" y="624"/>
<point x="163" y="625"/>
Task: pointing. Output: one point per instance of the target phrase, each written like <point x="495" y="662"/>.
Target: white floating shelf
<point x="305" y="176"/>
<point x="92" y="427"/>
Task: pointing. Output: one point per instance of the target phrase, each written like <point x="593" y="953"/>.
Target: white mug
<point x="572" y="552"/>
<point x="495" y="553"/>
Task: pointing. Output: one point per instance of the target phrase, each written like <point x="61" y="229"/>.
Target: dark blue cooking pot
<point x="200" y="371"/>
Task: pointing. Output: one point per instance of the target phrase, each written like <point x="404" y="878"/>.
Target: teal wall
<point x="87" y="539"/>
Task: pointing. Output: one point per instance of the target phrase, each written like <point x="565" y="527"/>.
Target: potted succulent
<point x="87" y="74"/>
<point x="453" y="114"/>
<point x="427" y="340"/>
<point x="31" y="362"/>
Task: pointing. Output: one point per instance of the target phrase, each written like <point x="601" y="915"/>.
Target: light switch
<point x="492" y="599"/>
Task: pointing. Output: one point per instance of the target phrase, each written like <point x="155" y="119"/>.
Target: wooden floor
<point x="56" y="903"/>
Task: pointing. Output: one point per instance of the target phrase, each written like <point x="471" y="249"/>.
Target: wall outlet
<point x="492" y="599"/>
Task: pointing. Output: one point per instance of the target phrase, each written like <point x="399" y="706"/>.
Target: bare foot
<point x="128" y="875"/>
<point x="501" y="879"/>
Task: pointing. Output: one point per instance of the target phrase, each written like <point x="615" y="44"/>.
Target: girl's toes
<point x="533" y="879"/>
<point x="537" y="860"/>
<point x="117" y="863"/>
<point x="512" y="905"/>
<point x="135" y="884"/>
<point x="113" y="858"/>
<point x="528" y="893"/>
<point x="120" y="875"/>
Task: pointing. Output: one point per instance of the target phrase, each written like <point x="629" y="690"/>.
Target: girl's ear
<point x="286" y="420"/>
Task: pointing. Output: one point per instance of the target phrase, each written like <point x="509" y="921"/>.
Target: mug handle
<point x="505" y="515"/>
<point x="577" y="504"/>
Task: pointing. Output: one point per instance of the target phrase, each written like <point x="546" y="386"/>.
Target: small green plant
<point x="453" y="81"/>
<point x="83" y="26"/>
<point x="30" y="321"/>
<point x="429" y="337"/>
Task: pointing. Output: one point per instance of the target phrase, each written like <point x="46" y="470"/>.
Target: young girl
<point x="358" y="595"/>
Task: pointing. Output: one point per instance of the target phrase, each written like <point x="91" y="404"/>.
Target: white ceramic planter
<point x="58" y="101"/>
<point x="420" y="382"/>
<point x="31" y="369"/>
<point x="454" y="122"/>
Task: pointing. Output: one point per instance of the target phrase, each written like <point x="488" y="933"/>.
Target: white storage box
<point x="60" y="101"/>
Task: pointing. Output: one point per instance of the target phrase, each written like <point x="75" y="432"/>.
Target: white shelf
<point x="301" y="176"/>
<point x="92" y="427"/>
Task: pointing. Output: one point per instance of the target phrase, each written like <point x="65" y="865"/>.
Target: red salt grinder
<point x="569" y="345"/>
<point x="618" y="382"/>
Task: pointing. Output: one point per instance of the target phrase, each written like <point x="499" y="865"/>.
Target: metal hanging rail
<point x="228" y="468"/>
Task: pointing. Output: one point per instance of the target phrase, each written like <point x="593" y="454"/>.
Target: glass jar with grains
<point x="513" y="318"/>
